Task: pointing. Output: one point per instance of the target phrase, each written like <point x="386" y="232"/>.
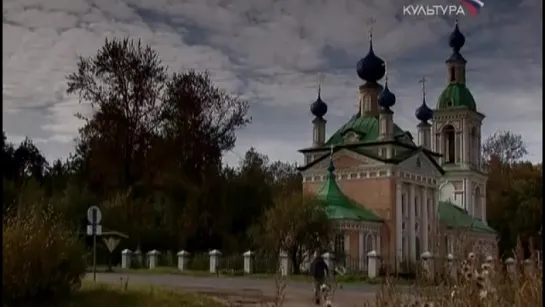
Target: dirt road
<point x="244" y="291"/>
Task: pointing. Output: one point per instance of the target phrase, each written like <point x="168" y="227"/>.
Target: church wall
<point x="377" y="195"/>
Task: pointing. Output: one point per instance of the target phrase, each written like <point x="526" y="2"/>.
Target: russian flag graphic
<point x="473" y="6"/>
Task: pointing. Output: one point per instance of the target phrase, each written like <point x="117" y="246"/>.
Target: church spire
<point x="456" y="62"/>
<point x="370" y="69"/>
<point x="318" y="108"/>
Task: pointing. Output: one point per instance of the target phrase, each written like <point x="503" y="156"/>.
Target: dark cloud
<point x="270" y="52"/>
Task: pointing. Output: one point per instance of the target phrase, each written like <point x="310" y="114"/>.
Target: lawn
<point x="102" y="295"/>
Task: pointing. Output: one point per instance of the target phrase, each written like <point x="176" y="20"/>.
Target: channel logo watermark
<point x="471" y="6"/>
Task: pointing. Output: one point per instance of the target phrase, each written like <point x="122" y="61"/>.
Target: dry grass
<point x="474" y="281"/>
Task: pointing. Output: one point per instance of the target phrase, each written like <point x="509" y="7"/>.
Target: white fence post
<point x="183" y="258"/>
<point x="214" y="260"/>
<point x="153" y="258"/>
<point x="126" y="257"/>
<point x="285" y="268"/>
<point x="248" y="255"/>
<point x="372" y="267"/>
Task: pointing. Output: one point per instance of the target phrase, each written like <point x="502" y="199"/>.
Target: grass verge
<point x="106" y="295"/>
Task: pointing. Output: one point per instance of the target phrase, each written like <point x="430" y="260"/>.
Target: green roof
<point x="456" y="95"/>
<point x="366" y="127"/>
<point x="455" y="217"/>
<point x="340" y="206"/>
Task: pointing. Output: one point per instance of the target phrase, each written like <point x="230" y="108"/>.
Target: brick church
<point x="389" y="193"/>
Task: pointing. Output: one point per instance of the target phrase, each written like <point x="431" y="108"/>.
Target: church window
<point x="417" y="247"/>
<point x="416" y="206"/>
<point x="369" y="243"/>
<point x="477" y="203"/>
<point x="352" y="137"/>
<point x="449" y="149"/>
<point x="339" y="245"/>
<point x="403" y="205"/>
<point x="418" y="163"/>
<point x="474" y="147"/>
<point x="452" y="74"/>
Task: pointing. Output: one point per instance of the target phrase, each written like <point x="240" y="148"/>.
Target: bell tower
<point x="456" y="135"/>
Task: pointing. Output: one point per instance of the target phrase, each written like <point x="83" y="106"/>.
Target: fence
<point x="249" y="263"/>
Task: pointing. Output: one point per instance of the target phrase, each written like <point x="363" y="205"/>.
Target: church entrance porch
<point x="352" y="241"/>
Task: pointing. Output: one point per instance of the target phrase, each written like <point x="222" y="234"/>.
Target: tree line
<point x="149" y="155"/>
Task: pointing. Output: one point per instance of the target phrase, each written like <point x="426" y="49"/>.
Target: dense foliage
<point x="42" y="259"/>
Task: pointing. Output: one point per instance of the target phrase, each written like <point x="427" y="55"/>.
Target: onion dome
<point x="424" y="113"/>
<point x="456" y="39"/>
<point x="318" y="108"/>
<point x="370" y="68"/>
<point x="386" y="99"/>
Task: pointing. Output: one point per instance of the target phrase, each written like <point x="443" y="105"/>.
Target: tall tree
<point x="155" y="133"/>
<point x="508" y="147"/>
<point x="123" y="83"/>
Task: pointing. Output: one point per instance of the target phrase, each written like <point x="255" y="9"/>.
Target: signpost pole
<point x="94" y="254"/>
<point x="93" y="229"/>
<point x="94" y="246"/>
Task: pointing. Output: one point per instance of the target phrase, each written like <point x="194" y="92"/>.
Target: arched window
<point x="474" y="146"/>
<point x="477" y="203"/>
<point x="339" y="243"/>
<point x="404" y="205"/>
<point x="369" y="243"/>
<point x="416" y="206"/>
<point x="449" y="148"/>
<point x="452" y="74"/>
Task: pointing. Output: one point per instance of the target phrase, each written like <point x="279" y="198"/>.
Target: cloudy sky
<point x="271" y="52"/>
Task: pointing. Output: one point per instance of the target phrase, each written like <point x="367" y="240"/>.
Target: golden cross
<point x="423" y="81"/>
<point x="385" y="72"/>
<point x="370" y="22"/>
<point x="320" y="81"/>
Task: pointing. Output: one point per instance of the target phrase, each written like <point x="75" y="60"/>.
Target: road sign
<point x="94" y="230"/>
<point x="111" y="242"/>
<point x="94" y="216"/>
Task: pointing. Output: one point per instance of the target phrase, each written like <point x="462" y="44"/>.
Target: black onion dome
<point x="371" y="67"/>
<point x="424" y="113"/>
<point x="318" y="108"/>
<point x="386" y="98"/>
<point x="456" y="39"/>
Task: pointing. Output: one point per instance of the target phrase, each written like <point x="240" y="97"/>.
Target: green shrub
<point x="42" y="259"/>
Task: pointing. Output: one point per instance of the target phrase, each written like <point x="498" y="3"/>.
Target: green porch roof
<point x="366" y="127"/>
<point x="455" y="217"/>
<point x="338" y="205"/>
